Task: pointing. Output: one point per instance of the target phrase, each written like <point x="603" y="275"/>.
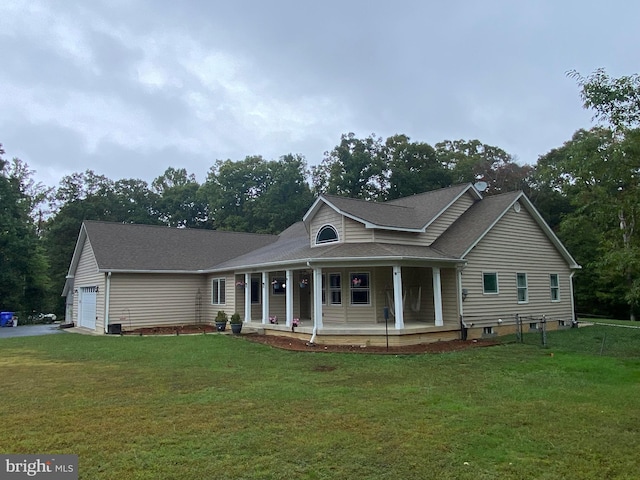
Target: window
<point x="490" y="282"/>
<point x="255" y="290"/>
<point x="523" y="294"/>
<point x="360" y="290"/>
<point x="335" y="289"/>
<point x="278" y="285"/>
<point x="554" y="282"/>
<point x="487" y="331"/>
<point x="327" y="234"/>
<point x="533" y="326"/>
<point x="218" y="291"/>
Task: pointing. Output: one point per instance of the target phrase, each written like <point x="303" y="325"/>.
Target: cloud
<point x="122" y="82"/>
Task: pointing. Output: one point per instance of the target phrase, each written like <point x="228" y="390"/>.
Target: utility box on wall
<point x="115" y="328"/>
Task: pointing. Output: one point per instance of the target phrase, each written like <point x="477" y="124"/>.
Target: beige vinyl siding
<point x="326" y="216"/>
<point x="447" y="218"/>
<point x="418" y="283"/>
<point x="355" y="232"/>
<point x="347" y="313"/>
<point x="239" y="298"/>
<point x="146" y="300"/>
<point x="230" y="292"/>
<point x="516" y="245"/>
<point x="383" y="292"/>
<point x="402" y="238"/>
<point x="87" y="275"/>
<point x="450" y="311"/>
<point x="277" y="303"/>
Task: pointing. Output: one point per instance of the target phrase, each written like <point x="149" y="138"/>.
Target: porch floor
<point x="361" y="334"/>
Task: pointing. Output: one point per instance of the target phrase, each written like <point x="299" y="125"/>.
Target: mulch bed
<point x="295" y="344"/>
<point x="177" y="330"/>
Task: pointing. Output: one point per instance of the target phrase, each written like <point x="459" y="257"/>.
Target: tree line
<point x="586" y="189"/>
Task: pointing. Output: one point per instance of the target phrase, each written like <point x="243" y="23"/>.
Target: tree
<point x="232" y="190"/>
<point x="255" y="195"/>
<point x="287" y="196"/>
<point x="413" y="167"/>
<point x="598" y="171"/>
<point x="135" y="202"/>
<point x="177" y="203"/>
<point x="616" y="103"/>
<point x="473" y="161"/>
<point x="23" y="266"/>
<point x="355" y="168"/>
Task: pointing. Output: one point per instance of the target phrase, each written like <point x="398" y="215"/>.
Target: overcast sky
<point x="128" y="88"/>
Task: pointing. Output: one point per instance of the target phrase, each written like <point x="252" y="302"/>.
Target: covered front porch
<point x="353" y="304"/>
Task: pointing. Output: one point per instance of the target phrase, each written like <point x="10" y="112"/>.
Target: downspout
<point x="106" y="303"/>
<point x="315" y="320"/>
<point x="574" y="318"/>
<point x="461" y="298"/>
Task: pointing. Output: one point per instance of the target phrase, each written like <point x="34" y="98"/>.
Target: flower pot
<point x="221" y="326"/>
<point x="236" y="328"/>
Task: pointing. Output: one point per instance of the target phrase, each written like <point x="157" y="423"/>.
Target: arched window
<point x="327" y="234"/>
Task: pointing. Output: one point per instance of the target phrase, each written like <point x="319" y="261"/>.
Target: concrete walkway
<point x="29" y="330"/>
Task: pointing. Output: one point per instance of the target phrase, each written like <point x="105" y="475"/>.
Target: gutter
<point x="332" y="261"/>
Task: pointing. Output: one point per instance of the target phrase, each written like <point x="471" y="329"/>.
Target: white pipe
<point x="315" y="301"/>
<point x="313" y="335"/>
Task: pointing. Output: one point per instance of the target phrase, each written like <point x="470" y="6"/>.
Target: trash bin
<point x="6" y="319"/>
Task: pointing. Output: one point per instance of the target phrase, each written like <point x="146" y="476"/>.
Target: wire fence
<point x="592" y="338"/>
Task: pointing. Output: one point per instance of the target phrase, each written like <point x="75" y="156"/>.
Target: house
<point x="434" y="266"/>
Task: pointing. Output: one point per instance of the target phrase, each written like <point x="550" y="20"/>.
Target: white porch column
<point x="317" y="298"/>
<point x="437" y="296"/>
<point x="247" y="297"/>
<point x="288" y="293"/>
<point x="397" y="297"/>
<point x="265" y="297"/>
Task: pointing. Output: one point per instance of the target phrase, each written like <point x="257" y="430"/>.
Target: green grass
<point x="214" y="406"/>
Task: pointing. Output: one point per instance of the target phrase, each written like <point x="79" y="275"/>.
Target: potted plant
<point x="221" y="321"/>
<point x="236" y="323"/>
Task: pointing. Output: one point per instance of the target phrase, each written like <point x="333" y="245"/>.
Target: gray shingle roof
<point x="293" y="246"/>
<point x="414" y="212"/>
<point x="140" y="248"/>
<point x="128" y="247"/>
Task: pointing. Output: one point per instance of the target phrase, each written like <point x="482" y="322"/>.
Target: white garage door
<point x="87" y="307"/>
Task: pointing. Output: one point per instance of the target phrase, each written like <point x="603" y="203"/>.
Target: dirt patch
<point x="302" y="346"/>
<point x="298" y="345"/>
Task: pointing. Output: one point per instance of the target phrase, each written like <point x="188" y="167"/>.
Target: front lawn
<point x="214" y="407"/>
